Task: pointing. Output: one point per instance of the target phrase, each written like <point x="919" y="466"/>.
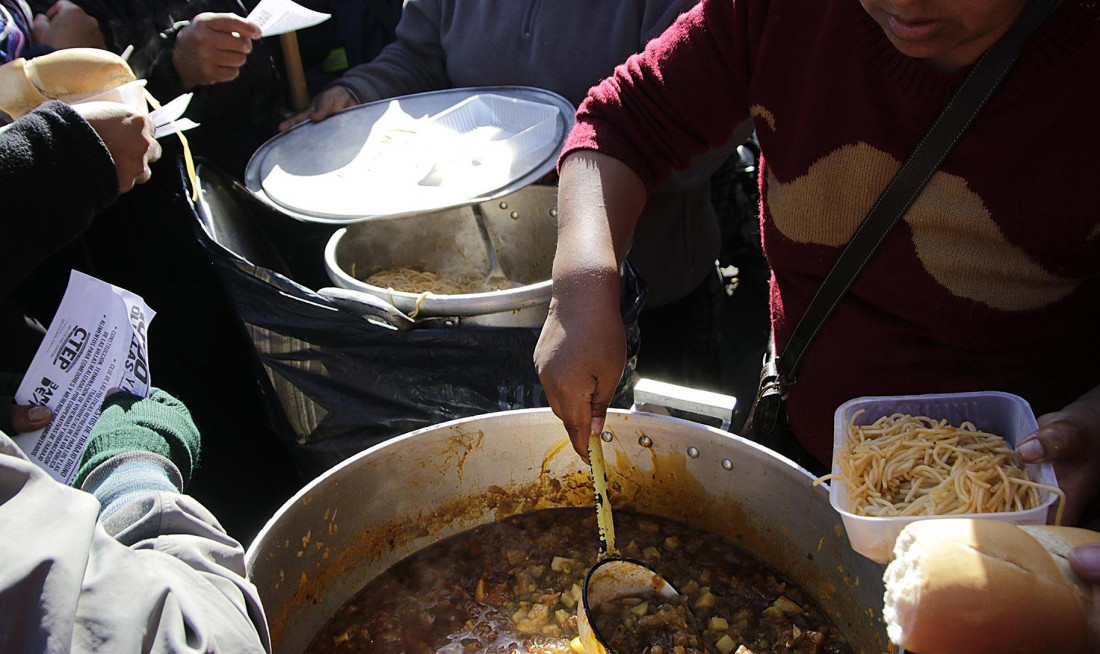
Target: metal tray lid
<point x="412" y="154"/>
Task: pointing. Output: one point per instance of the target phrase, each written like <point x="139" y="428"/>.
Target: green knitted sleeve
<point x="159" y="423"/>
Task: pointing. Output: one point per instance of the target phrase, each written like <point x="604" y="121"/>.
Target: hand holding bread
<point x="976" y="586"/>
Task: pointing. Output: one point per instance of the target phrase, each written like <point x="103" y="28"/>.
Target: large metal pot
<point x="374" y="509"/>
<point x="520" y="231"/>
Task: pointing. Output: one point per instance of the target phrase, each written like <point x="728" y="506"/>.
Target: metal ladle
<point x="497" y="279"/>
<point x="613" y="577"/>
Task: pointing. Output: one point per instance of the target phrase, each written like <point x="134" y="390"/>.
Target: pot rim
<point x="458" y="304"/>
<point x="324" y="478"/>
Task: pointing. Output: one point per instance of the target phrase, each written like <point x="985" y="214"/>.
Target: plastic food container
<point x="1003" y="414"/>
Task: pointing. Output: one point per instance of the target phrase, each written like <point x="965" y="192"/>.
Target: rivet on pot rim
<point x="645" y="441"/>
<point x="727" y="464"/>
<point x="607" y="436"/>
<point x="503" y="205"/>
<point x="693" y="452"/>
<point x="553" y="213"/>
<point x="514" y="215"/>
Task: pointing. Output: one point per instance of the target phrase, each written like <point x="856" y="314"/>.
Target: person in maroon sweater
<point x="990" y="282"/>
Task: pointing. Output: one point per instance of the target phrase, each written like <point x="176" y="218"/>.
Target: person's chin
<point x="929" y="48"/>
<point x="917" y="50"/>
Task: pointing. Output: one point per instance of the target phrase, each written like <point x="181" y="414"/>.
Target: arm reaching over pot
<point x="582" y="348"/>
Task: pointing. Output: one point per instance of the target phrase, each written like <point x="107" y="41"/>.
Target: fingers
<point x="325" y="104"/>
<point x="582" y="417"/>
<point x="142" y="153"/>
<point x="1066" y="439"/>
<point x="223" y="44"/>
<point x="294" y="120"/>
<point x="67" y="25"/>
<point x="213" y="48"/>
<point x="63" y="5"/>
<point x="330" y="101"/>
<point x="1056" y="440"/>
<point x="29" y="418"/>
<point x="129" y="138"/>
<point x="229" y="24"/>
<point x="570" y="399"/>
<point x="1085" y="561"/>
<point x="579" y="398"/>
<point x="576" y="415"/>
<point x="152" y="150"/>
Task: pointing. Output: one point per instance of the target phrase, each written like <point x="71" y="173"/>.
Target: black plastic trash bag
<point x="335" y="383"/>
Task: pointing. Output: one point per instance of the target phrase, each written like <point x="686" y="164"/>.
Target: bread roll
<point x="68" y="75"/>
<point x="976" y="586"/>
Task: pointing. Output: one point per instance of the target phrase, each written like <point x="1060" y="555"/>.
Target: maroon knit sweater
<point x="991" y="280"/>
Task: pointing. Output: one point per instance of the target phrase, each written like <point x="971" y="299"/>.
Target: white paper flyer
<point x="275" y="17"/>
<point x="97" y="341"/>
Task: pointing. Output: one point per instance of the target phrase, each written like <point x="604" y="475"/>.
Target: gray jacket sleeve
<point x="412" y="63"/>
<point x="160" y="575"/>
<point x="417" y="60"/>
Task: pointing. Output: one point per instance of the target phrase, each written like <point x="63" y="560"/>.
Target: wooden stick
<point x="295" y="73"/>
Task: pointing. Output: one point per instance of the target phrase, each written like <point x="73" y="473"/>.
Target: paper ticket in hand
<point x="279" y="16"/>
<point x="169" y="118"/>
<point x="96" y="342"/>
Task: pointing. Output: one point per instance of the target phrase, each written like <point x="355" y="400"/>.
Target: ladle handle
<point x="603" y="502"/>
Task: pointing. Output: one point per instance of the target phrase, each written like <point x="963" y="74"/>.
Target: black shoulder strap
<point x="910" y="179"/>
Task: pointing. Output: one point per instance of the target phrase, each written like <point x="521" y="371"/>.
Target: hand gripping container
<point x="1003" y="414"/>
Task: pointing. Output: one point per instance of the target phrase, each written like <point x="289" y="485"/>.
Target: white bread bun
<point x="970" y="585"/>
<point x="68" y="75"/>
<point x="18" y="95"/>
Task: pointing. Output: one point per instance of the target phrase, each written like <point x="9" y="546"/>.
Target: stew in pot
<point x="512" y="586"/>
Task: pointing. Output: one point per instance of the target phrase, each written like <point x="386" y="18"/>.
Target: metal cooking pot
<point x="520" y="233"/>
<point x="371" y="511"/>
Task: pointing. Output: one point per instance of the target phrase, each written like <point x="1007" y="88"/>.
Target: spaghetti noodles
<point x="903" y="465"/>
<point x="408" y="280"/>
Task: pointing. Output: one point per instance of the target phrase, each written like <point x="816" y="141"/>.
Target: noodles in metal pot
<point x="408" y="280"/>
<point x="904" y="465"/>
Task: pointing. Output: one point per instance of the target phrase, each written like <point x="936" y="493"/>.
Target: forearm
<point x="55" y="175"/>
<point x="599" y="200"/>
